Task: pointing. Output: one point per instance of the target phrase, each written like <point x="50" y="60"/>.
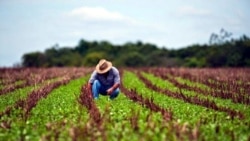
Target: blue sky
<point x="35" y="25"/>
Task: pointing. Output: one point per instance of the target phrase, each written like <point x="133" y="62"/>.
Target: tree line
<point x="225" y="53"/>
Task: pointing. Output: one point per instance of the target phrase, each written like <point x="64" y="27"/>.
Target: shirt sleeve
<point x="93" y="77"/>
<point x="117" y="76"/>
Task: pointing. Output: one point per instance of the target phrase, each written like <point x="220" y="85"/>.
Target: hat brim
<point x="105" y="70"/>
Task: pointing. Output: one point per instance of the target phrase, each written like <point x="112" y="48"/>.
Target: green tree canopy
<point x="226" y="53"/>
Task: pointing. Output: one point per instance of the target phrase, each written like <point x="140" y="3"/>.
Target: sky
<point x="36" y="25"/>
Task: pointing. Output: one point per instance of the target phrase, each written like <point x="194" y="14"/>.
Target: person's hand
<point x="109" y="91"/>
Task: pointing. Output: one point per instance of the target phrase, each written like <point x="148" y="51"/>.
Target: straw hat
<point x="103" y="66"/>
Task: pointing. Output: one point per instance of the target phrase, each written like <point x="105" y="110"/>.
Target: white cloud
<point x="192" y="11"/>
<point x="98" y="14"/>
<point x="98" y="23"/>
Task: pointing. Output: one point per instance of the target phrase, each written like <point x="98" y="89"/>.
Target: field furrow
<point x="241" y="110"/>
<point x="233" y="84"/>
<point x="193" y="99"/>
<point x="208" y="91"/>
<point x="193" y="114"/>
<point x="50" y="123"/>
<point x="33" y="77"/>
<point x="154" y="104"/>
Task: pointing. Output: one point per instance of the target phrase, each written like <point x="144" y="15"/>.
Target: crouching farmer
<point x="104" y="80"/>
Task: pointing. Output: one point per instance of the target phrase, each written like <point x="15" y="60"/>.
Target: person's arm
<point x="111" y="89"/>
<point x="116" y="81"/>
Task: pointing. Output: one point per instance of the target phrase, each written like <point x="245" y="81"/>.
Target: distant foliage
<point x="220" y="38"/>
<point x="220" y="52"/>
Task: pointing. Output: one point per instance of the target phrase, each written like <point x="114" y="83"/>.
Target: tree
<point x="134" y="59"/>
<point x="219" y="53"/>
<point x="82" y="47"/>
<point x="92" y="59"/>
<point x="220" y="38"/>
<point x="34" y="59"/>
<point x="216" y="58"/>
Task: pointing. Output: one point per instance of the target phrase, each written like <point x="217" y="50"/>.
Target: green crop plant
<point x="51" y="117"/>
<point x="219" y="101"/>
<point x="9" y="99"/>
<point x="55" y="108"/>
<point x="190" y="83"/>
<point x="217" y="126"/>
<point x="127" y="120"/>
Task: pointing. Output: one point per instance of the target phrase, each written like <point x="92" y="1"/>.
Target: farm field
<point x="154" y="104"/>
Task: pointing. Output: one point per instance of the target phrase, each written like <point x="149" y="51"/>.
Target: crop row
<point x="226" y="81"/>
<point x="149" y="107"/>
<point x="241" y="109"/>
<point x="191" y="99"/>
<point x="12" y="79"/>
<point x="43" y="113"/>
<point x="193" y="114"/>
<point x="136" y="123"/>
